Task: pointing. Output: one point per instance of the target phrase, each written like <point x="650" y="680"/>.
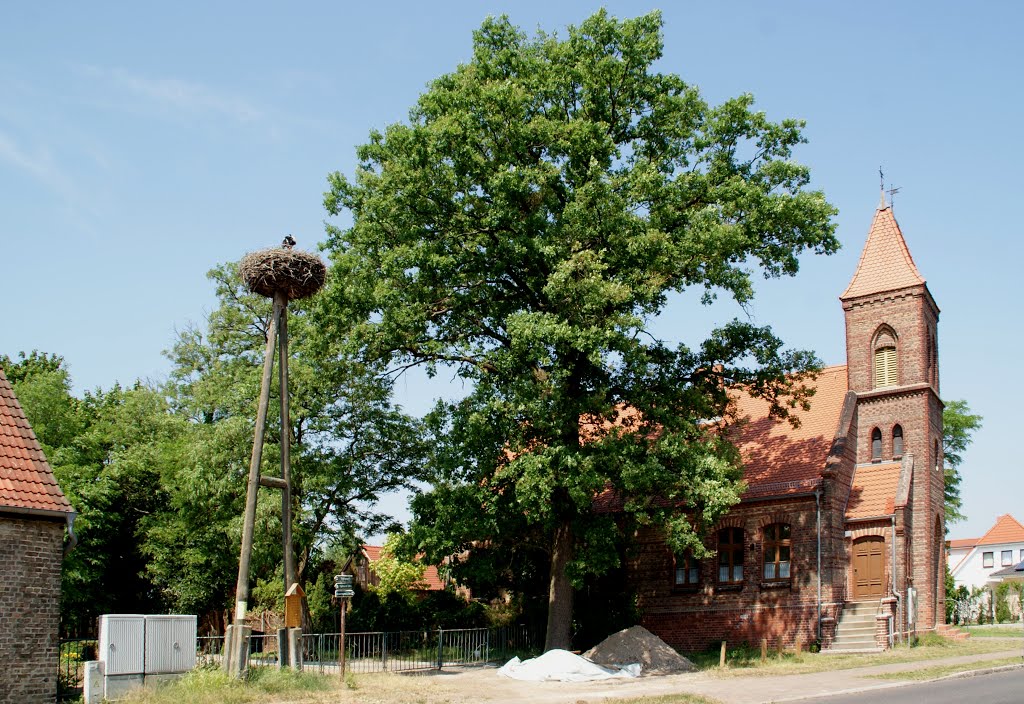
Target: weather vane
<point x="892" y="190"/>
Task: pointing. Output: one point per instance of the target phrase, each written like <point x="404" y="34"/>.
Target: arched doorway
<point x="869" y="567"/>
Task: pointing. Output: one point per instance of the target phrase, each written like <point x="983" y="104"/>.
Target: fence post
<point x="721" y="657"/>
<point x="440" y="648"/>
<point x="487" y="645"/>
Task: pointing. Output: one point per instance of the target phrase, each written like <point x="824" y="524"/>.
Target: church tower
<point x="892" y="365"/>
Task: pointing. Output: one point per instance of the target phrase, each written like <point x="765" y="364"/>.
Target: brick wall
<point x="701" y="617"/>
<point x="30" y="559"/>
<point x="912" y="316"/>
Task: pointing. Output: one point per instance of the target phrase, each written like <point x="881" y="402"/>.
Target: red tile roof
<point x="874" y="490"/>
<point x="962" y="543"/>
<point x="431" y="580"/>
<point x="885" y="264"/>
<point x="1006" y="530"/>
<point x="26" y="480"/>
<point x="779" y="459"/>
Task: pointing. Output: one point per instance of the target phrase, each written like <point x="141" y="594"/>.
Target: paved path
<point x="487" y="686"/>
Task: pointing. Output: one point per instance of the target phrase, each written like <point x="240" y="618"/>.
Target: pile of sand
<point x="637" y="644"/>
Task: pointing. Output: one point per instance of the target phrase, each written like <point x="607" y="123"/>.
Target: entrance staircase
<point x="951" y="632"/>
<point x="855" y="631"/>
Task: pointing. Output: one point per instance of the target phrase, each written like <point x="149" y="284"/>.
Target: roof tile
<point x="779" y="459"/>
<point x="885" y="263"/>
<point x="874" y="490"/>
<point x="26" y="479"/>
<point x="1006" y="530"/>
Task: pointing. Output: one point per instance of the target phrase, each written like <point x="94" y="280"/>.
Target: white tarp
<point x="563" y="666"/>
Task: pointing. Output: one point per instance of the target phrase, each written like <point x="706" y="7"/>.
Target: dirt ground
<point x="473" y="685"/>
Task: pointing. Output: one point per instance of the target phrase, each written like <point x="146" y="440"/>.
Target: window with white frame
<point x="987" y="559"/>
<point x="1006" y="558"/>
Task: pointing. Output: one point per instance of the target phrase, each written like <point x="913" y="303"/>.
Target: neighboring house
<point x="33" y="516"/>
<point x="974" y="562"/>
<point x="361" y="565"/>
<point x="846" y="508"/>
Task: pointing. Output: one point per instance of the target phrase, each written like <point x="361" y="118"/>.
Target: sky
<point x="141" y="144"/>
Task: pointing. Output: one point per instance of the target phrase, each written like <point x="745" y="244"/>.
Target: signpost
<point x="343" y="591"/>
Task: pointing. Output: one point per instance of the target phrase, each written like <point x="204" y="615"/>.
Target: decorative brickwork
<point x="30" y="555"/>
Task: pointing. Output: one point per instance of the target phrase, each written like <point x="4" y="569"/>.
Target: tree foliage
<point x="958" y="428"/>
<point x="158" y="474"/>
<point x="523" y="228"/>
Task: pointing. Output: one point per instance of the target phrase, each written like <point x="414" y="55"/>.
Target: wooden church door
<point x="869" y="567"/>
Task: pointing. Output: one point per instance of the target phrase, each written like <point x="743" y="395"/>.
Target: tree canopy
<point x="958" y="428"/>
<point x="524" y="227"/>
<point x="157" y="473"/>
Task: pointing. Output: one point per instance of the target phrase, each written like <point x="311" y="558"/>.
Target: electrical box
<point x="122" y="638"/>
<point x="170" y="644"/>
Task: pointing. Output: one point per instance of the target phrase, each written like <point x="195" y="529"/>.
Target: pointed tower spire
<point x="885" y="264"/>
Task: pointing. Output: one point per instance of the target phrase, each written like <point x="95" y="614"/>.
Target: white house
<point x="972" y="561"/>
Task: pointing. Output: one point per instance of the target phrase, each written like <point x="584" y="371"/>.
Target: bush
<point x="398" y="611"/>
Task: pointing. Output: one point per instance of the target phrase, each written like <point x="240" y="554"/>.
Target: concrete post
<point x="295" y="648"/>
<point x="236" y="650"/>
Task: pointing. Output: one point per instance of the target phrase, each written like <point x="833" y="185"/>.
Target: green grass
<point x="931" y="673"/>
<point x="994" y="631"/>
<point x="665" y="699"/>
<point x="213" y="686"/>
<point x="745" y="660"/>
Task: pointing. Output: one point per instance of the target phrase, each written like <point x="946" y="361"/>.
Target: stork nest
<point x="289" y="271"/>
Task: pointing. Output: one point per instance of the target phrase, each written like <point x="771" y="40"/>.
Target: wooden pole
<point x="764" y="650"/>
<point x="721" y="657"/>
<point x="341" y="640"/>
<point x="779" y="648"/>
<point x="249" y="522"/>
<point x="281" y="314"/>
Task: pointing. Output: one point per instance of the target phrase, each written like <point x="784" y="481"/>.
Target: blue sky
<point x="142" y="144"/>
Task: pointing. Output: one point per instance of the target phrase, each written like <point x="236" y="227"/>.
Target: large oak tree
<point x="524" y="227"/>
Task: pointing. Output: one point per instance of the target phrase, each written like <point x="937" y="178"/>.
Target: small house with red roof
<point x="33" y="516"/>
<point x="839" y="536"/>
<point x="360" y="566"/>
<point x="974" y="562"/>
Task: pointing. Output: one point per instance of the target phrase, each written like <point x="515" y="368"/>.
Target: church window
<point x="938" y="457"/>
<point x="885" y="359"/>
<point x="876" y="445"/>
<point x="987" y="559"/>
<point x="777" y="547"/>
<point x="687" y="570"/>
<point x="730" y="555"/>
<point x="897" y="441"/>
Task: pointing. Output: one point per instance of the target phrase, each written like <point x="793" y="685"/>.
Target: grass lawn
<point x="1001" y="631"/>
<point x="265" y="686"/>
<point x="931" y="673"/>
<point x="745" y="661"/>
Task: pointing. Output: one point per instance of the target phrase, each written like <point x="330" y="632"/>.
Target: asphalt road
<point x="995" y="688"/>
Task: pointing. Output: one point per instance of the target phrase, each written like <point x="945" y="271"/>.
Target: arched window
<point x="777" y="547"/>
<point x="876" y="445"/>
<point x="687" y="570"/>
<point x="938" y="457"/>
<point x="730" y="555"/>
<point x="897" y="441"/>
<point x="885" y="359"/>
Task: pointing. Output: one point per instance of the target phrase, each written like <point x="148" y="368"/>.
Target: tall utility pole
<point x="282" y="274"/>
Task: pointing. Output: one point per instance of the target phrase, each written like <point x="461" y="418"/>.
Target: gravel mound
<point x="637" y="644"/>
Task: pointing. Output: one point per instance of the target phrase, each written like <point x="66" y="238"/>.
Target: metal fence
<point x="74" y="653"/>
<point x="403" y="651"/>
<point x="393" y="651"/>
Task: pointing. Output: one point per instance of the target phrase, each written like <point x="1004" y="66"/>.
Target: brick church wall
<point x="30" y="560"/>
<point x="698" y="618"/>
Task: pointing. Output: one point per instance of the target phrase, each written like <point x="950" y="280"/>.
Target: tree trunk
<point x="560" y="593"/>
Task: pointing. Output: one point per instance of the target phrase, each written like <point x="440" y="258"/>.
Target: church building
<point x="838" y="538"/>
